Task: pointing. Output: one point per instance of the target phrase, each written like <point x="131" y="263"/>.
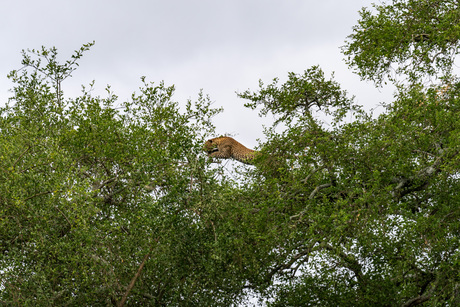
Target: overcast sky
<point x="220" y="46"/>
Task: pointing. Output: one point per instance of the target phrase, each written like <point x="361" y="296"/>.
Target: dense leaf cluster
<point x="415" y="38"/>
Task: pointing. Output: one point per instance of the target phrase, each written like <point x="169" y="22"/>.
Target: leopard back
<point x="225" y="147"/>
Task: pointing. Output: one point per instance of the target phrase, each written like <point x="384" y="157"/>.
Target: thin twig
<point x="19" y="158"/>
<point x="40" y="194"/>
<point x="57" y="208"/>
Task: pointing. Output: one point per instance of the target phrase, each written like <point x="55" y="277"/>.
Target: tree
<point x="111" y="203"/>
<point x="407" y="37"/>
<point x="368" y="210"/>
<point x="91" y="192"/>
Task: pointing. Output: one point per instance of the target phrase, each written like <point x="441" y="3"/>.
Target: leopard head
<point x="210" y="146"/>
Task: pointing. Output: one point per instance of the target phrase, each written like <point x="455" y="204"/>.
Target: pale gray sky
<point x="220" y="46"/>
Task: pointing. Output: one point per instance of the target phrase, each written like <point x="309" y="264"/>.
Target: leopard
<point x="225" y="147"/>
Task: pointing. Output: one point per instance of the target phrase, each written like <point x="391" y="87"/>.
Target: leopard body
<point x="225" y="147"/>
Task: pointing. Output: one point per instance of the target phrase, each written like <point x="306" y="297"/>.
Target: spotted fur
<point x="225" y="147"/>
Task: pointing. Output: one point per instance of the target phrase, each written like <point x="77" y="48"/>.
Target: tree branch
<point x="134" y="279"/>
<point x="408" y="185"/>
<point x="22" y="154"/>
<point x="287" y="265"/>
<point x="312" y="173"/>
<point x="422" y="298"/>
<point x="99" y="186"/>
<point x="417" y="300"/>
<point x="352" y="264"/>
<point x="40" y="194"/>
<point x="57" y="208"/>
<point x="318" y="188"/>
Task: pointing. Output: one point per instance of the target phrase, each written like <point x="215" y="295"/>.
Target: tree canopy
<point x="111" y="203"/>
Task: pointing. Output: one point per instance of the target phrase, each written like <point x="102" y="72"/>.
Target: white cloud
<point x="220" y="46"/>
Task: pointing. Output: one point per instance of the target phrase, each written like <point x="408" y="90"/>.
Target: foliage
<point x="370" y="208"/>
<point x="298" y="95"/>
<point x="88" y="189"/>
<point x="416" y="37"/>
<point x="111" y="203"/>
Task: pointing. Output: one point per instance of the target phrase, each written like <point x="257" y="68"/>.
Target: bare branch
<point x="99" y="186"/>
<point x="134" y="279"/>
<point x="57" y="208"/>
<point x="312" y="173"/>
<point x="416" y="300"/>
<point x="22" y="155"/>
<point x="318" y="188"/>
<point x="284" y="266"/>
